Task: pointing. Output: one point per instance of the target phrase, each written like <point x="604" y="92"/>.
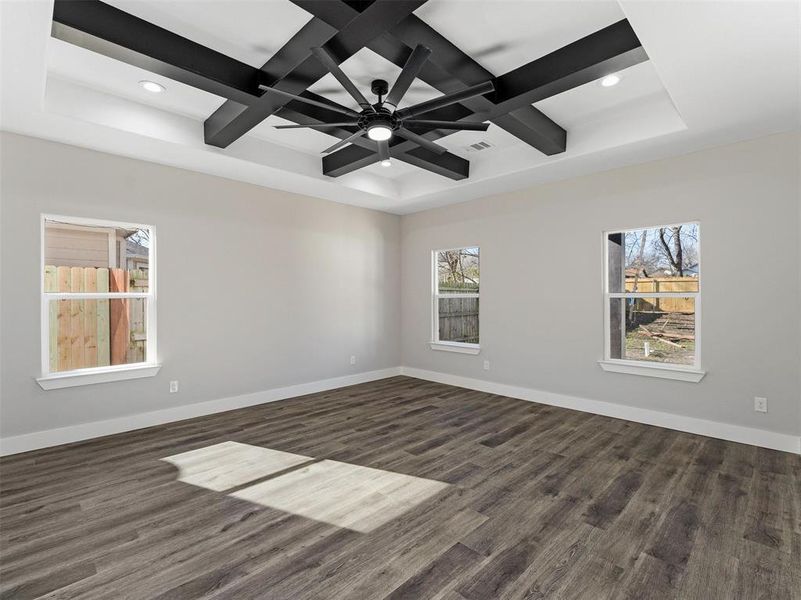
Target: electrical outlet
<point x="353" y="360"/>
<point x="486" y="365"/>
<point x="761" y="404"/>
<point x="173" y="387"/>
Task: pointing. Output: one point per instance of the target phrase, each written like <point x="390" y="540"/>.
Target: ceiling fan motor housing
<point x="382" y="117"/>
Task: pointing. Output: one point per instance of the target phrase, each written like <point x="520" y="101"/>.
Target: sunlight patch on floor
<point x="230" y="464"/>
<point x="341" y="494"/>
<point x="337" y="493"/>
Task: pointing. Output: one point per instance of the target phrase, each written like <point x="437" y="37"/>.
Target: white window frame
<point x="75" y="377"/>
<point x="435" y="343"/>
<point x="688" y="373"/>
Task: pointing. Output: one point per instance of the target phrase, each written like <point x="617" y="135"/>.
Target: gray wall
<point x="257" y="288"/>
<point x="546" y="331"/>
<point x="260" y="289"/>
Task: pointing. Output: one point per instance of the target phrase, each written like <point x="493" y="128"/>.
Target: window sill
<point x="646" y="370"/>
<point x="456" y="347"/>
<point x="56" y="381"/>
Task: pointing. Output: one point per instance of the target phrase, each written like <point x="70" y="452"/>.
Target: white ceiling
<point x="719" y="72"/>
<point x="247" y="30"/>
<point x="503" y="35"/>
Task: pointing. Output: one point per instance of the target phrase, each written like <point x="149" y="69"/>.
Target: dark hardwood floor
<point x="540" y="502"/>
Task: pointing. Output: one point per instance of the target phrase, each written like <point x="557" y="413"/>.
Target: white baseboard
<point x="724" y="431"/>
<point x="85" y="431"/>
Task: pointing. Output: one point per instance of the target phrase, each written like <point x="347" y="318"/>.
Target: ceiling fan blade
<point x="329" y="63"/>
<point x="335" y="107"/>
<point x="317" y="125"/>
<point x="345" y="142"/>
<point x="446" y="100"/>
<point x="420" y="141"/>
<point x="455" y="125"/>
<point x="414" y="64"/>
<point x="383" y="150"/>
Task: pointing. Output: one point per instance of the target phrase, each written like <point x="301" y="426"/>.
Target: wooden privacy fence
<point x="664" y="284"/>
<point x="95" y="333"/>
<point x="458" y="320"/>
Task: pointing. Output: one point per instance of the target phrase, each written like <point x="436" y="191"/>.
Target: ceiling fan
<point x="382" y="120"/>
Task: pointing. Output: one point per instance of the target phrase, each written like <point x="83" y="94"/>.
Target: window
<point x="98" y="301"/>
<point x="455" y="300"/>
<point x="652" y="301"/>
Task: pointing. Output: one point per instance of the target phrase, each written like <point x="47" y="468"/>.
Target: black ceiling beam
<point x="610" y="49"/>
<point x="446" y="164"/>
<point x="352" y="158"/>
<point x="314" y="33"/>
<point x="224" y="127"/>
<point x="355" y="157"/>
<point x="450" y="70"/>
<point x="106" y="30"/>
<point x="101" y="28"/>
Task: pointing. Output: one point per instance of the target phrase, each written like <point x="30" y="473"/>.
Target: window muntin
<point x="653" y="295"/>
<point x="98" y="301"/>
<point x="456" y="296"/>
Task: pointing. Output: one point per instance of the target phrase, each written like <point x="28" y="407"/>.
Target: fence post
<point x="90" y="318"/>
<point x="77" y="320"/>
<point x="103" y="322"/>
<point x="120" y="326"/>
<point x="64" y="285"/>
<point x="656" y="291"/>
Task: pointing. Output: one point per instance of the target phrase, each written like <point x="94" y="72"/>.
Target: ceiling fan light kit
<point x="379" y="132"/>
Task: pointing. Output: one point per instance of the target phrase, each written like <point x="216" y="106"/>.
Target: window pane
<point x="458" y="320"/>
<point x="653" y="329"/>
<point x="458" y="271"/>
<point x="88" y="258"/>
<point x="662" y="259"/>
<point x="85" y="334"/>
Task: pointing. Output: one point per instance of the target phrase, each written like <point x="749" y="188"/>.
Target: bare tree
<point x="674" y="255"/>
<point x="678" y="247"/>
<point x="458" y="267"/>
<point x="140" y="237"/>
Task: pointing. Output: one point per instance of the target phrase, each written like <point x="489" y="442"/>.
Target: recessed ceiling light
<point x="379" y="133"/>
<point x="386" y="163"/>
<point x="610" y="80"/>
<point x="152" y="86"/>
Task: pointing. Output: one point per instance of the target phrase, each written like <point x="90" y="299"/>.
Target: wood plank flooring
<point x="540" y="502"/>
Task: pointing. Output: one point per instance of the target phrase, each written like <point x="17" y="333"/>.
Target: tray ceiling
<point x="669" y="104"/>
